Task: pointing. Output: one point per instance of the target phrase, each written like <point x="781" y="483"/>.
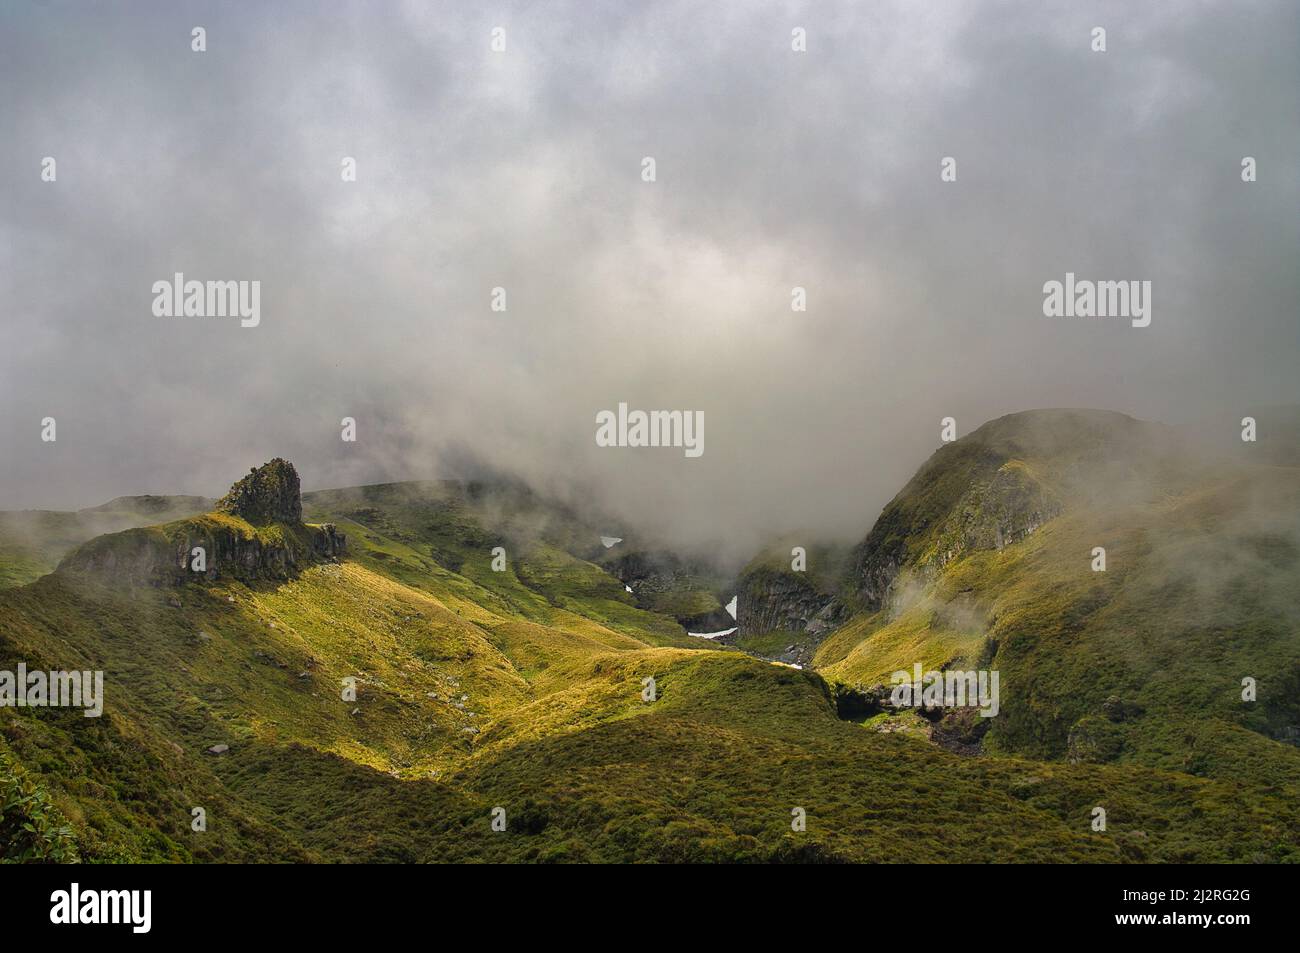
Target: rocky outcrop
<point x="664" y="582"/>
<point x="229" y="552"/>
<point x="225" y="545"/>
<point x="973" y="500"/>
<point x="774" y="601"/>
<point x="165" y="555"/>
<point x="1006" y="509"/>
<point x="1000" y="483"/>
<point x="270" y="493"/>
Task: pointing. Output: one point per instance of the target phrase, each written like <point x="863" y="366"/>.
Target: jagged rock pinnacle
<point x="270" y="493"/>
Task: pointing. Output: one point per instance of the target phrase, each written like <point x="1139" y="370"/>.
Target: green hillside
<point x="522" y="689"/>
<point x="987" y="563"/>
<point x="33" y="541"/>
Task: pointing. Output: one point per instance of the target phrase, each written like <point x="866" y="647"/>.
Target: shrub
<point x="32" y="829"/>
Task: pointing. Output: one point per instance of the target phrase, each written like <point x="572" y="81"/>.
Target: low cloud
<point x="522" y="170"/>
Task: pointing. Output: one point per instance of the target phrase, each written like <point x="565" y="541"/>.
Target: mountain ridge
<point x="531" y="680"/>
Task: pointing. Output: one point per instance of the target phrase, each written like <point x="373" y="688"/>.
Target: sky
<point x="522" y="169"/>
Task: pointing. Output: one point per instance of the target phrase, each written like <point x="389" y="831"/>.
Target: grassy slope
<point x="33" y="541"/>
<point x="260" y="668"/>
<point x="1200" y="592"/>
<point x="521" y="689"/>
<point x="438" y="534"/>
<point x="584" y="768"/>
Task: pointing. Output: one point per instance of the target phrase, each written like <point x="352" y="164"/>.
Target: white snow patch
<point x="713" y="635"/>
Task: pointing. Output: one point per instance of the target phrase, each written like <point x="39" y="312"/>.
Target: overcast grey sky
<point x="522" y="169"/>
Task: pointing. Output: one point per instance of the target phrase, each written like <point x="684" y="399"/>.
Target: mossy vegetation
<point x="379" y="707"/>
<point x="32" y="829"/>
<point x="33" y="541"/>
<point x="1143" y="663"/>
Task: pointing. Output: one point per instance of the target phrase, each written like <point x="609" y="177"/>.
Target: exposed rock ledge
<point x="251" y="537"/>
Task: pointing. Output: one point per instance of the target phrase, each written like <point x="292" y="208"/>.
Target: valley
<point x="349" y="679"/>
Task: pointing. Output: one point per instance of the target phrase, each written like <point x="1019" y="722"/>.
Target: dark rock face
<point x="781" y="602"/>
<point x="771" y="601"/>
<point x="166" y="555"/>
<point x="143" y="557"/>
<point x="714" y="621"/>
<point x="686" y="589"/>
<point x="230" y="554"/>
<point x="270" y="493"/>
<point x="976" y="501"/>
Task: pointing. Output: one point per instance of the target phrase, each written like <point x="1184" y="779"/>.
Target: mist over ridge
<point x="477" y="171"/>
